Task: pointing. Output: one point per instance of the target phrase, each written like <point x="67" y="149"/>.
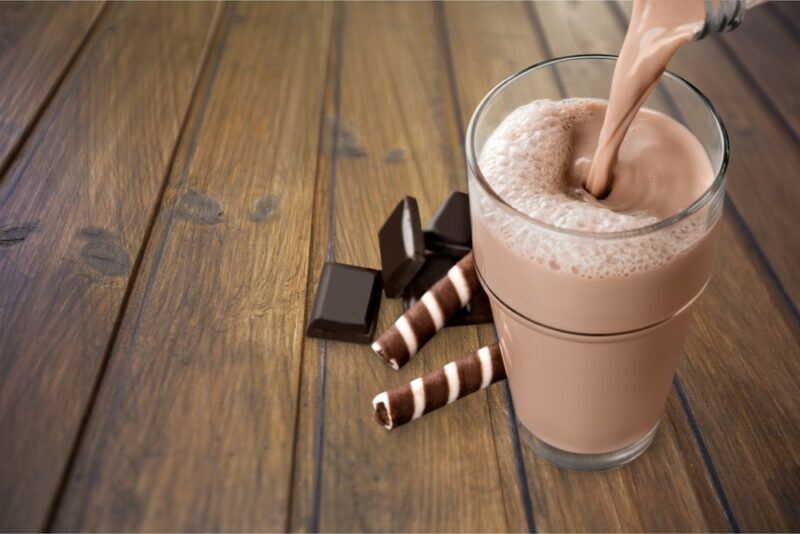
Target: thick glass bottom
<point x="588" y="462"/>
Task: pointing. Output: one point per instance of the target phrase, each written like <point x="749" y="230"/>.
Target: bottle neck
<point x="725" y="15"/>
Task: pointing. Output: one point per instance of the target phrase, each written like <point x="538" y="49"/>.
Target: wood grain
<point x="672" y="471"/>
<point x="38" y="40"/>
<point x="789" y="12"/>
<point x="742" y="374"/>
<point x="762" y="48"/>
<point x="302" y="516"/>
<point x="440" y="473"/>
<point x="194" y="423"/>
<point x="306" y="125"/>
<point x="77" y="200"/>
<point x="304" y="475"/>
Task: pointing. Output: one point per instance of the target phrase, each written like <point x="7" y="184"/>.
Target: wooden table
<point x="172" y="178"/>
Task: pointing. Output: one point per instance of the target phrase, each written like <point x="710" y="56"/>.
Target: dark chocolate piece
<point x="450" y="231"/>
<point x="348" y="299"/>
<point x="402" y="247"/>
<point x="477" y="310"/>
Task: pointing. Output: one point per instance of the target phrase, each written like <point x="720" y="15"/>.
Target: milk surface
<point x="537" y="161"/>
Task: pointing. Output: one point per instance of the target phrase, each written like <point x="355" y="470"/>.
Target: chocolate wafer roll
<point x="422" y="320"/>
<point x="441" y="387"/>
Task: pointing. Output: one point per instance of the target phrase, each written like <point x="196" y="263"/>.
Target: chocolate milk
<point x="591" y="302"/>
<point x="603" y="391"/>
<point x="656" y="30"/>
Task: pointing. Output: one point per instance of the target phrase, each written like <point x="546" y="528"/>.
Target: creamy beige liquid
<point x="656" y="30"/>
<point x="591" y="328"/>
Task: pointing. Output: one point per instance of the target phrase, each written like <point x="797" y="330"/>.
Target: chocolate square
<point x="402" y="247"/>
<point x="348" y="300"/>
<point x="477" y="310"/>
<point x="450" y="230"/>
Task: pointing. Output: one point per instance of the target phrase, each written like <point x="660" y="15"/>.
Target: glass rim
<point x="701" y="201"/>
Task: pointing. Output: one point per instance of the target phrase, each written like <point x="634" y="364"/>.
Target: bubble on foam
<point x="526" y="161"/>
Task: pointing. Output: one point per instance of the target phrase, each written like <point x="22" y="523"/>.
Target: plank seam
<point x="332" y="51"/>
<point x="15" y="151"/>
<point x="727" y="510"/>
<point x="752" y="244"/>
<point x="527" y="503"/>
<point x="320" y="434"/>
<point x="195" y="137"/>
<point x="444" y="36"/>
<point x="12" y="155"/>
<point x="83" y="425"/>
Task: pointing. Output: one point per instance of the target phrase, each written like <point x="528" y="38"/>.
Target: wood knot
<point x="395" y="155"/>
<point x="14" y="234"/>
<point x="264" y="208"/>
<point x="340" y="136"/>
<point x="199" y="207"/>
<point x="103" y="252"/>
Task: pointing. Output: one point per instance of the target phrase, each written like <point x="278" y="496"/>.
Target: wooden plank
<point x="741" y="375"/>
<point x="194" y="423"/>
<point x="789" y="12"/>
<point x="764" y="155"/>
<point x="304" y="475"/>
<point x="631" y="498"/>
<point x="37" y="43"/>
<point x="77" y="205"/>
<point x="747" y="392"/>
<point x="439" y="473"/>
<point x="763" y="48"/>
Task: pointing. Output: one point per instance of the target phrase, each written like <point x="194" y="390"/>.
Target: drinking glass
<point x="591" y="359"/>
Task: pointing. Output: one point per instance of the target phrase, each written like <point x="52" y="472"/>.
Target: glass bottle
<point x="725" y="15"/>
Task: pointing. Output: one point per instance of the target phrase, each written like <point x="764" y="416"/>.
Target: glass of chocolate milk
<point x="592" y="297"/>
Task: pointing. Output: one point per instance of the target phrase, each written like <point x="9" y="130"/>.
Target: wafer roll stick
<point x="427" y="316"/>
<point x="441" y="387"/>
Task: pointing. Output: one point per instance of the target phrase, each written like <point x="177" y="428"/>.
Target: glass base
<point x="589" y="462"/>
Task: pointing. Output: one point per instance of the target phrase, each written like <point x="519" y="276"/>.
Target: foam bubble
<point x="527" y="161"/>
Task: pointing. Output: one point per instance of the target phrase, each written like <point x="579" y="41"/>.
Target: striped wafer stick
<point x="441" y="387"/>
<point x="427" y="316"/>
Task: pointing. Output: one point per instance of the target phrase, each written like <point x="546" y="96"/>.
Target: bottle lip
<point x="702" y="200"/>
<point x="721" y="16"/>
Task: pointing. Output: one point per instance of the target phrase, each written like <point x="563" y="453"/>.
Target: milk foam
<point x="528" y="161"/>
